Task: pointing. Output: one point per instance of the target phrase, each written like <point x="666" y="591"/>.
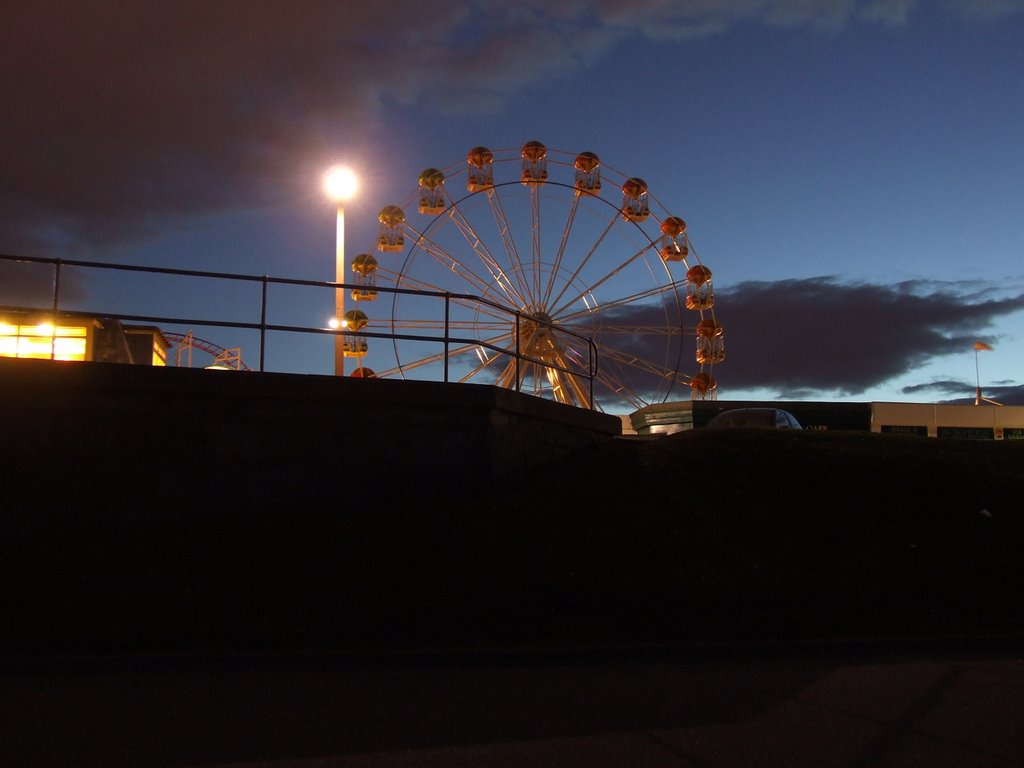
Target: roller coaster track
<point x="216" y="350"/>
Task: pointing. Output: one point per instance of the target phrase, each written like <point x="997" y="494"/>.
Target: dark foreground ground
<point x="701" y="537"/>
<point x="708" y="598"/>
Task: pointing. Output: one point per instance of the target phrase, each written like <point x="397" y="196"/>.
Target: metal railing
<point x="446" y="339"/>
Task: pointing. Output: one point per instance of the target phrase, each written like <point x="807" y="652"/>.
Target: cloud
<point x="961" y="392"/>
<point x="700" y="18"/>
<point x="118" y="117"/>
<point x="818" y="334"/>
<point x="122" y="118"/>
<point x="986" y="9"/>
<point x="819" y="337"/>
<point x="888" y="12"/>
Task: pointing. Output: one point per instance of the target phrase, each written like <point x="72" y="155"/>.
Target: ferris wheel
<point x="568" y="281"/>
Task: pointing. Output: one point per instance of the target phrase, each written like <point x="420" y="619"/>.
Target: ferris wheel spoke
<point x="598" y="283"/>
<point x="505" y="232"/>
<point x="507" y="377"/>
<point x="421" y="285"/>
<point x="568" y="374"/>
<point x="569" y="388"/>
<point x="498" y="275"/>
<point x="439" y="325"/>
<point x="535" y="249"/>
<point x="483" y="348"/>
<point x="632" y="299"/>
<point x="440" y="356"/>
<point x="486" y="363"/>
<point x="491" y="316"/>
<point x="637" y="330"/>
<point x="560" y="253"/>
<point x="620" y="389"/>
<point x="584" y="261"/>
<point x="457" y="267"/>
<point x="614" y="384"/>
<point x="401" y="369"/>
<point x="580" y="356"/>
<point x="646" y="366"/>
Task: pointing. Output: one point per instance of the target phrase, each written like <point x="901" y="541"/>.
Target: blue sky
<point x="852" y="172"/>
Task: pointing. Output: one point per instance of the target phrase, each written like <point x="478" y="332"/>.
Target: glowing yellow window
<point x="43" y="341"/>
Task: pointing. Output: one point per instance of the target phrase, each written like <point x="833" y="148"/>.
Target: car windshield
<point x="743" y="418"/>
<point x="756" y="417"/>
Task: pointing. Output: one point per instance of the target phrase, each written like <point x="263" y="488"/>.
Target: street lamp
<point x="339" y="185"/>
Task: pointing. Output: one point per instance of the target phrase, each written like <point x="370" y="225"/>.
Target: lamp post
<point x="339" y="184"/>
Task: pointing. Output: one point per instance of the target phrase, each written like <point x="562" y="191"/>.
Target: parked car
<point x="773" y="418"/>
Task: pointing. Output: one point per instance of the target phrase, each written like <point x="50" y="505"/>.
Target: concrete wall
<point x="84" y="442"/>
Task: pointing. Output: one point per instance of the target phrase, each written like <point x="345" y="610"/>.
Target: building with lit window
<point x="34" y="335"/>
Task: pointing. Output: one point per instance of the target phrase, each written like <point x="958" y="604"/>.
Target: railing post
<point x="263" y="324"/>
<point x="593" y="369"/>
<point x="56" y="305"/>
<point x="518" y="377"/>
<point x="447" y="310"/>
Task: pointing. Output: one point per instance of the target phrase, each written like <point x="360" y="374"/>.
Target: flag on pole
<point x="982" y="345"/>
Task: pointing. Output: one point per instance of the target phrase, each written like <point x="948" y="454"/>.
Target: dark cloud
<point x="819" y="337"/>
<point x="819" y="334"/>
<point x="122" y="117"/>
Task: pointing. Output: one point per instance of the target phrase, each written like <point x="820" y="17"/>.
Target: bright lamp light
<point x="340" y="183"/>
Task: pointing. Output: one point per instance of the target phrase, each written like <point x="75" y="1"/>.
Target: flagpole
<point x="977" y="378"/>
<point x="980" y="345"/>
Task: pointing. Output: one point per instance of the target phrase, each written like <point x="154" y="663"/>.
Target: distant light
<point x="340" y="183"/>
<point x="335" y="323"/>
